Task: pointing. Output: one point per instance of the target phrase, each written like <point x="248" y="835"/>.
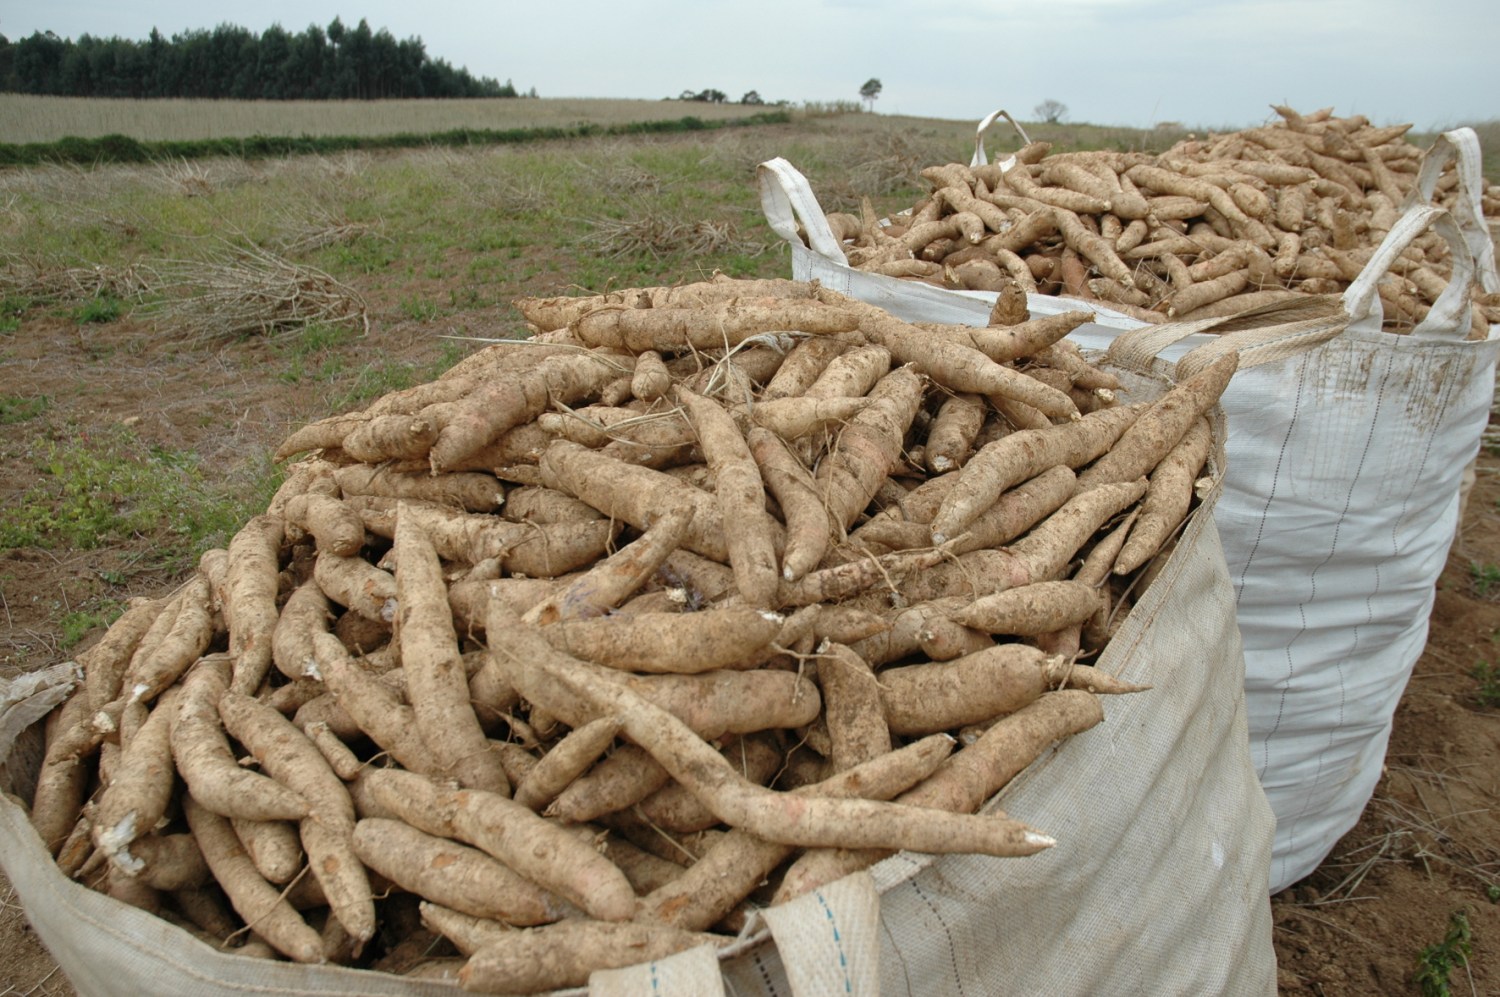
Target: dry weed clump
<point x="647" y="233"/>
<point x="732" y="149"/>
<point x="48" y="198"/>
<point x="320" y="228"/>
<point x="517" y="197"/>
<point x="485" y="179"/>
<point x="43" y="278"/>
<point x="187" y="178"/>
<point x="245" y="290"/>
<point x="508" y="195"/>
<point x="67" y="183"/>
<point x="895" y="162"/>
<point x="348" y="165"/>
<point x="619" y="175"/>
<point x="199" y="179"/>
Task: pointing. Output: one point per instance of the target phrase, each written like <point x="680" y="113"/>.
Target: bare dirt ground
<point x="1428" y="845"/>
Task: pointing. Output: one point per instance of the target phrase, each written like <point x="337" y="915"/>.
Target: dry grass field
<point x="27" y="118"/>
<point x="137" y="418"/>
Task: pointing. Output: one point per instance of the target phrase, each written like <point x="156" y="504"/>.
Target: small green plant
<point x="99" y="489"/>
<point x="317" y="338"/>
<point x="466" y="297"/>
<point x="309" y="353"/>
<point x="1488" y="677"/>
<point x="1484" y="579"/>
<point x="20" y="408"/>
<point x="367" y="256"/>
<point x="1436" y="962"/>
<point x="419" y="309"/>
<point x="80" y="623"/>
<point x="1492" y="892"/>
<point x="12" y="308"/>
<point x="98" y="310"/>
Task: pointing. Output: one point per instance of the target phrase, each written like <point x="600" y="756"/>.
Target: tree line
<point x="336" y="63"/>
<point x="713" y="96"/>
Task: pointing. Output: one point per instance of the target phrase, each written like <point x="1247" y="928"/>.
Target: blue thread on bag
<point x="838" y="941"/>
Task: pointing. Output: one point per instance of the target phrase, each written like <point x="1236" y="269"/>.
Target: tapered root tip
<point x="1040" y="840"/>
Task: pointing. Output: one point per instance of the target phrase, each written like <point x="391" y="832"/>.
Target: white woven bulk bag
<point x="1345" y="467"/>
<point x="1346" y="452"/>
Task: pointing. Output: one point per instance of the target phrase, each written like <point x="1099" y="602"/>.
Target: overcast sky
<point x="1203" y="63"/>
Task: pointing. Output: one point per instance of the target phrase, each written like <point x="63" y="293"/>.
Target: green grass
<point x="419" y="309"/>
<point x="79" y="623"/>
<point x="99" y="309"/>
<point x="363" y="257"/>
<point x="491" y="223"/>
<point x="1484" y="579"/>
<point x="1436" y="962"/>
<point x="117" y="148"/>
<point x="317" y="338"/>
<point x="12" y="309"/>
<point x="315" y="353"/>
<point x="112" y="488"/>
<point x="21" y="408"/>
<point x="1488" y="676"/>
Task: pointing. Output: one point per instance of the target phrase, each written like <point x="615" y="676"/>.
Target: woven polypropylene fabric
<point x="829" y="939"/>
<point x="694" y="973"/>
<point x="1339" y="509"/>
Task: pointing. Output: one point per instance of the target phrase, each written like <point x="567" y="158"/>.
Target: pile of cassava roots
<point x="1210" y="227"/>
<point x="572" y="658"/>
